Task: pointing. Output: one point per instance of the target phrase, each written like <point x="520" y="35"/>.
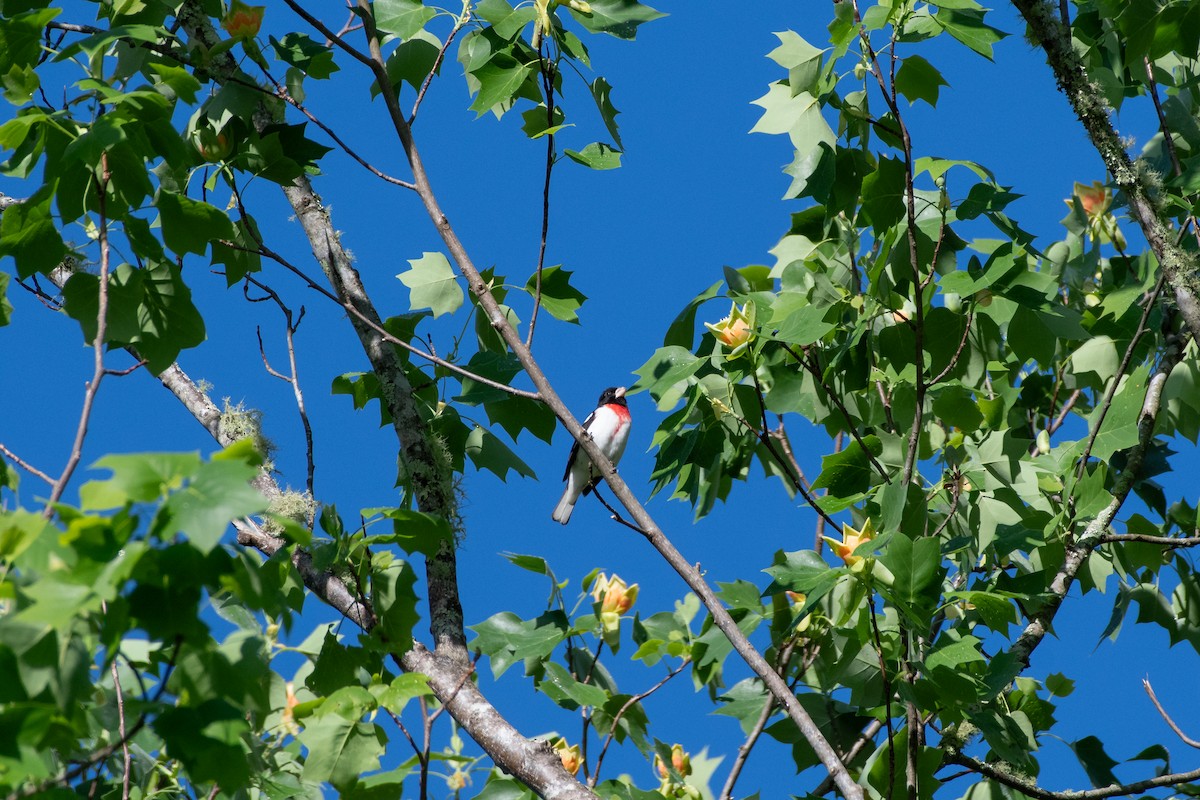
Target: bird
<point x="608" y="426"/>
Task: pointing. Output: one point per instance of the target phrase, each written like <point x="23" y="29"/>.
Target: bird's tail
<point x="566" y="505"/>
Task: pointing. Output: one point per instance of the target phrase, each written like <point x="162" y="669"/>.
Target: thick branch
<point x="426" y="471"/>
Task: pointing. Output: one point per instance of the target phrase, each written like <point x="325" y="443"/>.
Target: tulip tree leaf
<point x="189" y="225"/>
<point x="404" y="18"/>
<point x="619" y="18"/>
<point x="432" y="284"/>
<point x="486" y="451"/>
<point x="559" y="297"/>
<point x="849" y="472"/>
<point x="596" y="155"/>
<point x="917" y="79"/>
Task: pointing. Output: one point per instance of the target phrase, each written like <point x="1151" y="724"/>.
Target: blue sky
<point x="695" y="192"/>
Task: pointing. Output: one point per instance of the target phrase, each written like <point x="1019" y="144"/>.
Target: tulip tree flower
<point x="798" y="599"/>
<point x="681" y="762"/>
<point x="1095" y="201"/>
<point x="736" y="331"/>
<point x="851" y="539"/>
<point x="243" y="21"/>
<point x="863" y="565"/>
<point x="615" y="598"/>
<point x="570" y="755"/>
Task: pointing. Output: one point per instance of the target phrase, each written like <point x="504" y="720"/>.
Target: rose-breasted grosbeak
<point x="608" y="426"/>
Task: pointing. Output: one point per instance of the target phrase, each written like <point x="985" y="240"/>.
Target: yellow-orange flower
<point x="570" y="755"/>
<point x="613" y="595"/>
<point x="615" y="598"/>
<point x="735" y="331"/>
<point x="288" y="722"/>
<point x="798" y="599"/>
<point x="851" y="539"/>
<point x="680" y="760"/>
<point x="1095" y="202"/>
<point x="243" y="21"/>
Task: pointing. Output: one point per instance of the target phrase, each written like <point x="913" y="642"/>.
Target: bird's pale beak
<point x="620" y="391"/>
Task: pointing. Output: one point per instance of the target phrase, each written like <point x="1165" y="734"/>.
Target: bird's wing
<point x="587" y="423"/>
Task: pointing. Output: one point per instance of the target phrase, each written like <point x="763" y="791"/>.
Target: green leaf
<point x="181" y="82"/>
<point x="413" y="531"/>
<point x="140" y="478"/>
<point x="500" y="80"/>
<point x="403" y="688"/>
<point x="412" y="61"/>
<point x="667" y="367"/>
<point x="488" y="452"/>
<point x="506" y="638"/>
<point x="340" y="750"/>
<point x="956" y="406"/>
<point x="432" y="284"/>
<point x="394" y="597"/>
<point x="619" y="18"/>
<point x="883" y="195"/>
<point x="806" y="572"/>
<point x="917" y="79"/>
<point x="916" y="567"/>
<point x="955" y="653"/>
<point x="29" y="235"/>
<point x="314" y="59"/>
<point x="801" y="325"/>
<point x="602" y="94"/>
<point x="189" y="225"/>
<point x="219" y="493"/>
<point x="1120" y="428"/>
<point x="849" y="472"/>
<point x="6" y="308"/>
<point x="404" y="18"/>
<point x="596" y="155"/>
<point x="559" y="297"/>
<point x="569" y="693"/>
<point x="968" y="27"/>
<point x="1096" y="763"/>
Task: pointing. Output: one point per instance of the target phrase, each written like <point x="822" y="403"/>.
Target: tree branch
<point x="488" y="304"/>
<point x="1033" y="790"/>
<point x="1090" y="107"/>
<point x="1092" y="536"/>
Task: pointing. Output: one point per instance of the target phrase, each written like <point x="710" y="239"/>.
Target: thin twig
<point x="93" y="386"/>
<point x="1165" y="541"/>
<point x="1007" y="778"/>
<point x="957" y="353"/>
<point x="630" y="703"/>
<point x="25" y="465"/>
<point x="292" y="323"/>
<point x="887" y="694"/>
<point x="121" y="730"/>
<point x="1111" y="391"/>
<point x="763" y="434"/>
<point x="547" y="72"/>
<point x="1189" y="741"/>
<point x="809" y="362"/>
<point x="616" y="516"/>
<point x="463" y="19"/>
<point x="1062" y="414"/>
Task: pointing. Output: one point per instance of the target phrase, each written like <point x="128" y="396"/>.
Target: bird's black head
<point x="613" y="394"/>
